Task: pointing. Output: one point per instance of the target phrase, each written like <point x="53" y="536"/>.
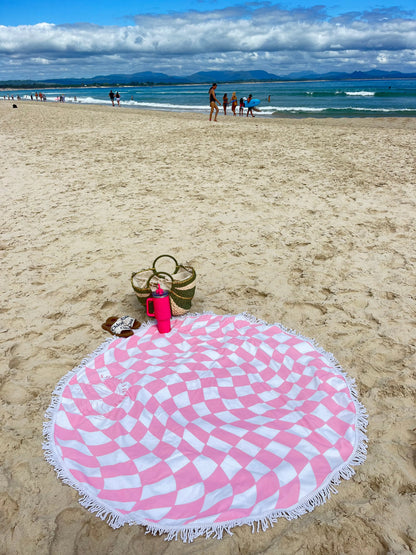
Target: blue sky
<point x="85" y="38"/>
<point x="109" y="12"/>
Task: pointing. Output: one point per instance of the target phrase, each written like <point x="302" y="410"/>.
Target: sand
<point x="310" y="223"/>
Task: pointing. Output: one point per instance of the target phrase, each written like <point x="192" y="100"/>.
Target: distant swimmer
<point x="268" y="98"/>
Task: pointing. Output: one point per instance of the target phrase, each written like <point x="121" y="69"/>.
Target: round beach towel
<point x="223" y="421"/>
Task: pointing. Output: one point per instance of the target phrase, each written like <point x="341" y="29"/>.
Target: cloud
<point x="255" y="36"/>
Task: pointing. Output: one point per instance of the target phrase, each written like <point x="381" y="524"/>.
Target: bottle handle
<point x="150" y="300"/>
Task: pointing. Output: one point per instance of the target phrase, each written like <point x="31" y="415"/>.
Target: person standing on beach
<point x="225" y="103"/>
<point x="213" y="101"/>
<point x="111" y="95"/>
<point x="241" y="112"/>
<point x="249" y="109"/>
<point x="118" y="98"/>
<point x="233" y="102"/>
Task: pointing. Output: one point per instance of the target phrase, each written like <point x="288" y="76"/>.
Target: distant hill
<point x="147" y="77"/>
<point x="122" y="79"/>
<point x="151" y="78"/>
<point x="227" y="76"/>
<point x="372" y="74"/>
<point x="143" y="77"/>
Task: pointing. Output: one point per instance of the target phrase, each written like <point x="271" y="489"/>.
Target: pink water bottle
<point x="161" y="309"/>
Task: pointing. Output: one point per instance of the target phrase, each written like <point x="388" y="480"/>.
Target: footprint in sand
<point x="15" y="394"/>
<point x="304" y="311"/>
<point x="68" y="525"/>
<point x="9" y="511"/>
<point x="76" y="335"/>
<point x="77" y="527"/>
<point x="107" y="305"/>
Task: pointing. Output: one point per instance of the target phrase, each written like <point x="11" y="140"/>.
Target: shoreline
<point x="307" y="222"/>
<point x="274" y="115"/>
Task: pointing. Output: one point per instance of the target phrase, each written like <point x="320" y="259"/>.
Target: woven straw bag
<point x="180" y="284"/>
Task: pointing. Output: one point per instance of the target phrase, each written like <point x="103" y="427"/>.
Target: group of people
<point x="11" y="97"/>
<point x="38" y="96"/>
<point x="215" y="103"/>
<point x="114" y="97"/>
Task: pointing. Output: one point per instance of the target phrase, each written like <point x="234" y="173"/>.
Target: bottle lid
<point x="160" y="292"/>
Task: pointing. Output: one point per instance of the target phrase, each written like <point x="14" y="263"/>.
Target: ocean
<point x="364" y="98"/>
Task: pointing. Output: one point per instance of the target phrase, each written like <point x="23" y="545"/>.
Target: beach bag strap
<point x="177" y="266"/>
<point x="158" y="274"/>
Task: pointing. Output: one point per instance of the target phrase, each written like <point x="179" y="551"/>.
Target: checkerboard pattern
<point x="222" y="420"/>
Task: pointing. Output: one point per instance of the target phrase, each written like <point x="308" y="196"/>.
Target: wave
<point x="322" y="93"/>
<point x="350" y="111"/>
<point x="69" y="99"/>
<point x="360" y="93"/>
<point x="169" y="106"/>
<point x="408" y="93"/>
<point x="340" y="93"/>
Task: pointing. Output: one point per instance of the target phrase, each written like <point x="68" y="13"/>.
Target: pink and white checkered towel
<point x="224" y="421"/>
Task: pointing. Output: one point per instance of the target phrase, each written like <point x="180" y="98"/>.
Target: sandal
<point x="121" y="327"/>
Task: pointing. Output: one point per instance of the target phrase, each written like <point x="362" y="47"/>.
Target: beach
<point x="305" y="222"/>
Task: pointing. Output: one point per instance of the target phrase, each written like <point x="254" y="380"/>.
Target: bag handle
<point x="177" y="267"/>
<point x="158" y="274"/>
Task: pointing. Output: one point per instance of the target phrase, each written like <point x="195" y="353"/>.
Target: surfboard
<point x="253" y="102"/>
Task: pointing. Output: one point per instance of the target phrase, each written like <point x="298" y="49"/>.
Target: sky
<point x="84" y="38"/>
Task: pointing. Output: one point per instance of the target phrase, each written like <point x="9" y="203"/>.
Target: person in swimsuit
<point x="225" y="103"/>
<point x="213" y="101"/>
<point x="250" y="110"/>
<point x="233" y="102"/>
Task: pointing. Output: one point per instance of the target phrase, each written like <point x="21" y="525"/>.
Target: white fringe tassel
<point x="215" y="531"/>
